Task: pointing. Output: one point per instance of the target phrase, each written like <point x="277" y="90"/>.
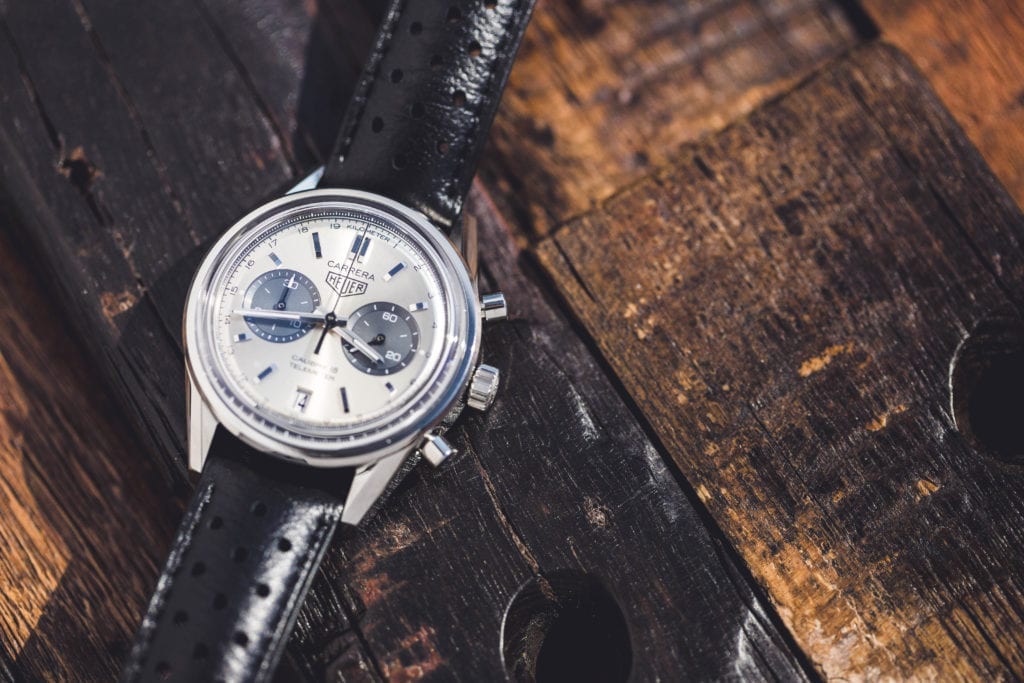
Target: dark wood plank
<point x="784" y="304"/>
<point x="123" y="154"/>
<point x="85" y="516"/>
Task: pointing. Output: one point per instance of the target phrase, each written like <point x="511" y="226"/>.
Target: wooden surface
<point x="970" y="51"/>
<point x="132" y="133"/>
<point x="784" y="304"/>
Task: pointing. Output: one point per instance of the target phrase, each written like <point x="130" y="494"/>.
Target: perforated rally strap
<point x="420" y="115"/>
<point x="239" y="569"/>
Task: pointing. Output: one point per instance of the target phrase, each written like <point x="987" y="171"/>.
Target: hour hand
<point x="288" y="316"/>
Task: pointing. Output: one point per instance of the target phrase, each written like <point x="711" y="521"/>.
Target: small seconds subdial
<point x="281" y="290"/>
<point x="390" y="330"/>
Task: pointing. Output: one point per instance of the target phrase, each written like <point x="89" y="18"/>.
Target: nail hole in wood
<point x="987" y="388"/>
<point x="565" y="626"/>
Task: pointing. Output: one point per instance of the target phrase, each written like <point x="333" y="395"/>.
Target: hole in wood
<point x="987" y="385"/>
<point x="565" y="626"/>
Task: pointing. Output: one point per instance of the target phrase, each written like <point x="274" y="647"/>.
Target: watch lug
<point x="308" y="183"/>
<point x="201" y="427"/>
<point x="372" y="482"/>
<point x="464" y="236"/>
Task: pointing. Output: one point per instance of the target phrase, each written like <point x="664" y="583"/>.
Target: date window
<point x="301" y="400"/>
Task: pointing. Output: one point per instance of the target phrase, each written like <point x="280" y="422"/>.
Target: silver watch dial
<point x="331" y="323"/>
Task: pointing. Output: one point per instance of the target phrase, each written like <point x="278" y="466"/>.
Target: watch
<point x="331" y="336"/>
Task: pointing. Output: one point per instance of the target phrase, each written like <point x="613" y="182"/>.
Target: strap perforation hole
<point x="399" y="161"/>
<point x="458" y="98"/>
<point x="418" y="110"/>
<point x="475" y="50"/>
<point x="284" y="545"/>
<point x="239" y="554"/>
<point x="262" y="590"/>
<point x="163" y="670"/>
<point x="240" y="639"/>
<point x="180" y="617"/>
<point x="198" y="569"/>
<point x="415" y="28"/>
<point x="220" y="601"/>
<point x="259" y="508"/>
<point x="396" y="75"/>
<point x="454" y="14"/>
<point x="490" y="4"/>
<point x="443" y="147"/>
<point x="436" y="61"/>
<point x="377" y="125"/>
<point x="200" y="651"/>
<point x="216" y="523"/>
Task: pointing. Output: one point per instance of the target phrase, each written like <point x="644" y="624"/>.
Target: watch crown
<point x="436" y="449"/>
<point x="493" y="307"/>
<point x="483" y="388"/>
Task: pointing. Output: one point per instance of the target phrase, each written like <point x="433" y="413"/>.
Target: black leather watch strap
<point x="239" y="568"/>
<point x="421" y="112"/>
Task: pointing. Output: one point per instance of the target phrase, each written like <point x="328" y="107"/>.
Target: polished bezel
<point x="390" y="433"/>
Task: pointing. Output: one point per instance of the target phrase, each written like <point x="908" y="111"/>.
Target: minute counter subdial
<point x="388" y="329"/>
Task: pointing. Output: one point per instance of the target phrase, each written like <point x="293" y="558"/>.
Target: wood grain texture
<point x="603" y="92"/>
<point x="970" y="51"/>
<point x="84" y="518"/>
<point x="783" y="303"/>
<point x="131" y="136"/>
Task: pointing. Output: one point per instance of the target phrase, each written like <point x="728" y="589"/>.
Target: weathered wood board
<point x="131" y="135"/>
<point x="83" y="525"/>
<point x="970" y="52"/>
<point x="784" y="303"/>
<point x="604" y="92"/>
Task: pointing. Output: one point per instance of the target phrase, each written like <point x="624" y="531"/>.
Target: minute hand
<point x="360" y="345"/>
<point x="290" y="316"/>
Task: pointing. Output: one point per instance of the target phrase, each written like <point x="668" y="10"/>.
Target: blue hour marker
<point x="344" y="399"/>
<point x="265" y="372"/>
<point x="275" y="258"/>
<point x="394" y="271"/>
<point x="316" y="245"/>
<point x="360" y="246"/>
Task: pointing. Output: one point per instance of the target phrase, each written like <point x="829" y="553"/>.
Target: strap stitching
<point x="140" y="654"/>
<point x="368" y="81"/>
<point x="487" y="96"/>
<point x="307" y="564"/>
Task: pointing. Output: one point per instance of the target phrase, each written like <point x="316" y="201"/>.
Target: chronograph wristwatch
<point x="331" y="336"/>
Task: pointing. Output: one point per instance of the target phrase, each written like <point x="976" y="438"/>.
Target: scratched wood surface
<point x="784" y="303"/>
<point x="132" y="134"/>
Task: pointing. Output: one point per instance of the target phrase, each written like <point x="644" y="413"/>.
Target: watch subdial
<point x="389" y="330"/>
<point x="281" y="290"/>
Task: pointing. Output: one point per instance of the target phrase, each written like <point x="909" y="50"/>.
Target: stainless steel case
<point x="378" y="458"/>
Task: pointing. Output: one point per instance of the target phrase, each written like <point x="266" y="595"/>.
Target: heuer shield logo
<point x="345" y="285"/>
